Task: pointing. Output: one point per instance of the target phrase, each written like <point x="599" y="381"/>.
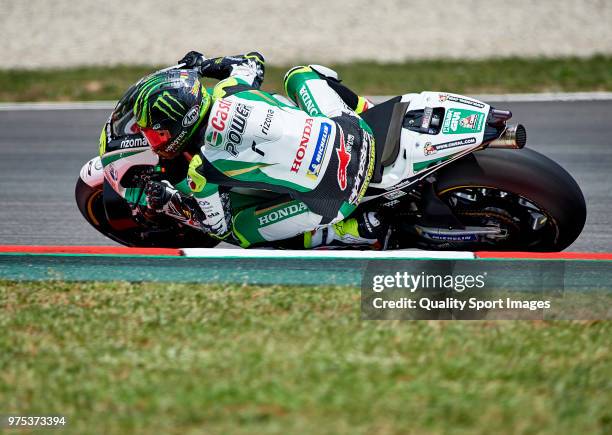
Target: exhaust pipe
<point x="514" y="137"/>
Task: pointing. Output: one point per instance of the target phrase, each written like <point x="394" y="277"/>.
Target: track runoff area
<point x="395" y="285"/>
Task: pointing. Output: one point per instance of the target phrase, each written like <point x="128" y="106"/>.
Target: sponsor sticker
<point x="191" y="116"/>
<point x="319" y="153"/>
<point x="221" y="115"/>
<point x="361" y="177"/>
<point x="274" y="216"/>
<point x="237" y="128"/>
<point x="265" y="126"/>
<point x="344" y="158"/>
<point x="214" y="139"/>
<point x="432" y="149"/>
<point x="112" y="175"/>
<point x="395" y="195"/>
<point x="308" y="101"/>
<point x="257" y="150"/>
<point x="427" y="117"/>
<point x="429" y="149"/>
<point x="195" y="89"/>
<point x="461" y="121"/>
<point x="452" y="238"/>
<point x="301" y="151"/>
<point x="461" y="100"/>
<point x="176" y="143"/>
<point x="134" y="142"/>
<point x="228" y="126"/>
<point x="391" y="203"/>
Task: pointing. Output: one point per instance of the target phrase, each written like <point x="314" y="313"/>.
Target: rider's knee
<point x="298" y="75"/>
<point x="293" y="74"/>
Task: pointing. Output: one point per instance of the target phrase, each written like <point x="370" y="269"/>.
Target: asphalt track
<point x="42" y="152"/>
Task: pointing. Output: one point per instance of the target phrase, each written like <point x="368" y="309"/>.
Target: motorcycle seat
<point x="385" y="120"/>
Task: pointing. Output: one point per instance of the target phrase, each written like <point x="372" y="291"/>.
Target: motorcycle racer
<point x="318" y="156"/>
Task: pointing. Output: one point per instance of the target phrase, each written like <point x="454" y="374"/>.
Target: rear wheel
<point x="535" y="203"/>
<point x="90" y="201"/>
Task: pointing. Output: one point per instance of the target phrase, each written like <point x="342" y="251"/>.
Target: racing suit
<point x="319" y="156"/>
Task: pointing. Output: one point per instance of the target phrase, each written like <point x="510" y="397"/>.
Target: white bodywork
<point x="420" y="148"/>
<point x="93" y="173"/>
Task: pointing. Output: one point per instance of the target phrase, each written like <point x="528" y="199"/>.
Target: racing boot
<point x="366" y="231"/>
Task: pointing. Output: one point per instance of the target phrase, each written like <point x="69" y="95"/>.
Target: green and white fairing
<point x="117" y="163"/>
<point x="457" y="130"/>
<point x="112" y="165"/>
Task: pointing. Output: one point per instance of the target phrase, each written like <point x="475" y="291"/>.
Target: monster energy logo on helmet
<point x="170" y="106"/>
<point x="172" y="102"/>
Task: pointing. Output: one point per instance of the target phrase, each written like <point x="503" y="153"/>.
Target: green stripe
<point x="347" y="209"/>
<point x="256" y="175"/>
<point x="146" y="111"/>
<point x="132" y="194"/>
<point x="106" y="159"/>
<point x="161" y="99"/>
<point x="208" y="190"/>
<point x="416" y="167"/>
<point x="246" y="229"/>
<point x="147" y="87"/>
<point x="161" y="109"/>
<point x="167" y="94"/>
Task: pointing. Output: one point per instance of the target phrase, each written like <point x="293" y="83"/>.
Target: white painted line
<point x="507" y="98"/>
<point x="256" y="254"/>
<point x="547" y="97"/>
<point x="73" y="105"/>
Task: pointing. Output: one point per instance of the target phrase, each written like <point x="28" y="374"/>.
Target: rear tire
<point x="529" y="175"/>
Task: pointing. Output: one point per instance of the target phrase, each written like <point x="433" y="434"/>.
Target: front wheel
<point x="90" y="201"/>
<point x="535" y="203"/>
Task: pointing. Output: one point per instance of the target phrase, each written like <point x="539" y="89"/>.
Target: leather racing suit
<point x="318" y="156"/>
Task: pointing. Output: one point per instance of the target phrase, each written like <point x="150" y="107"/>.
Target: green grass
<point x="158" y="358"/>
<point x="367" y="78"/>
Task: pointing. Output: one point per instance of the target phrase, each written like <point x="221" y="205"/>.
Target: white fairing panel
<point x="114" y="171"/>
<point x="92" y="172"/>
<point x="461" y="129"/>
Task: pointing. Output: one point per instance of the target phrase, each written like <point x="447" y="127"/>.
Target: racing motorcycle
<point x="450" y="173"/>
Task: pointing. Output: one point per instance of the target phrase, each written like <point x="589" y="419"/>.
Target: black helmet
<point x="169" y="108"/>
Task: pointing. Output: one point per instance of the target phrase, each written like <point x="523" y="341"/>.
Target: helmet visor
<point x="157" y="138"/>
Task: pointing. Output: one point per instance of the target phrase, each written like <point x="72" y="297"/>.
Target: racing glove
<point x="158" y="195"/>
<point x="210" y="215"/>
<point x="163" y="198"/>
<point x="249" y="67"/>
<point x="193" y="59"/>
<point x="216" y="208"/>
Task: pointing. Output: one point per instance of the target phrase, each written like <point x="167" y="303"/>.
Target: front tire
<point x="90" y="201"/>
